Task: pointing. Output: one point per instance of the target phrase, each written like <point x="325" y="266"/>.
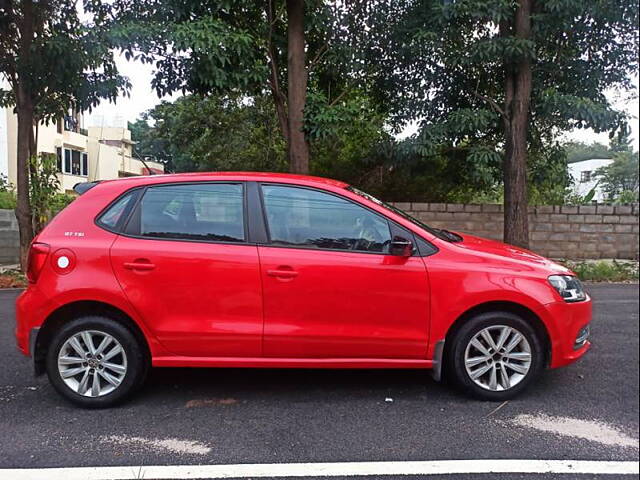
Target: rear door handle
<point x="143" y="266"/>
<point x="282" y="273"/>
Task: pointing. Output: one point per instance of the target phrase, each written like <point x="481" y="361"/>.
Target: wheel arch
<point x="77" y="309"/>
<point x="502" y="306"/>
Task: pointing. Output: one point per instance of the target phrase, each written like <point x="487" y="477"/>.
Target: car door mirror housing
<point x="401" y="247"/>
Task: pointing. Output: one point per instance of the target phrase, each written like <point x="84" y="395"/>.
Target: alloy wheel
<point x="92" y="363"/>
<point x="498" y="358"/>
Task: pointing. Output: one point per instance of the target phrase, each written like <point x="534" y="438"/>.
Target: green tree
<point x="203" y="133"/>
<point x="579" y="151"/>
<point x="240" y="47"/>
<point x="44" y="187"/>
<point x="53" y="62"/>
<point x="621" y="141"/>
<point x="500" y="76"/>
<point x="620" y="178"/>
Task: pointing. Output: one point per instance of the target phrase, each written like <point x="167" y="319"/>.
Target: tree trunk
<point x="297" y="87"/>
<point x="26" y="139"/>
<point x="25" y="143"/>
<point x="518" y="83"/>
<point x="279" y="99"/>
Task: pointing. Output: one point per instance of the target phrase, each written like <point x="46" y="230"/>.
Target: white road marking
<point x="174" y="445"/>
<point x="279" y="470"/>
<point x="592" y="430"/>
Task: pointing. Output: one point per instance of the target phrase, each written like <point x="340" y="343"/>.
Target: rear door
<point x="186" y="265"/>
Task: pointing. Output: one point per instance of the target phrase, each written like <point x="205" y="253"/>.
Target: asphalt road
<point x="207" y="416"/>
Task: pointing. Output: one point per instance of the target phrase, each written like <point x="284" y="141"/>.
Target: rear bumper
<point x="31" y="310"/>
<point x="566" y="324"/>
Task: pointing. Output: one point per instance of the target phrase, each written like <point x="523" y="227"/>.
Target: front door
<point x="185" y="265"/>
<point x="331" y="290"/>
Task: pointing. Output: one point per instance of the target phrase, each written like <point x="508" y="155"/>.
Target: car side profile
<point x="277" y="270"/>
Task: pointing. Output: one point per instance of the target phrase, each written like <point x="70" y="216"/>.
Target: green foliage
<point x="201" y="47"/>
<point x="574" y="198"/>
<point x="621" y="142"/>
<point x="44" y="186"/>
<point x="227" y="47"/>
<point x="395" y="171"/>
<point x="212" y="133"/>
<point x="350" y="113"/>
<point x="444" y="63"/>
<point x="579" y="151"/>
<point x="59" y="201"/>
<point x="548" y="176"/>
<point x="7" y="194"/>
<point x="619" y="180"/>
<point x="605" y="270"/>
<point x="70" y="62"/>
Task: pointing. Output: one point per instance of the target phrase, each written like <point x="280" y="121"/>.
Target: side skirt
<point x="267" y="362"/>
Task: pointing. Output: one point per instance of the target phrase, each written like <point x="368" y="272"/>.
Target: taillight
<point x="37" y="256"/>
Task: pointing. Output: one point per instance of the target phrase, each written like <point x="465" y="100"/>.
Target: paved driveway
<point x="588" y="411"/>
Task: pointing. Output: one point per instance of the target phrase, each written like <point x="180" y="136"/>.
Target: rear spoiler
<point x="83" y="187"/>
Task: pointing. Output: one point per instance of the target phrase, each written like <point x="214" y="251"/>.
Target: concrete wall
<point x="557" y="232"/>
<point x="602" y="231"/>
<point x="9" y="240"/>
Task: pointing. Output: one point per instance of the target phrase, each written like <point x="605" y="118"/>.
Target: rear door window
<point x="113" y="217"/>
<point x="206" y="212"/>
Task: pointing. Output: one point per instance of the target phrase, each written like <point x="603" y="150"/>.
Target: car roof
<point x="232" y="176"/>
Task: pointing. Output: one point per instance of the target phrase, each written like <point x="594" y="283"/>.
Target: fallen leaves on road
<point x="208" y="402"/>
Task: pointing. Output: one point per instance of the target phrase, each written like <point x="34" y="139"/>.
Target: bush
<point x="7" y="194"/>
<point x="605" y="270"/>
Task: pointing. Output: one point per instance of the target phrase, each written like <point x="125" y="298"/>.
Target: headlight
<point x="569" y="287"/>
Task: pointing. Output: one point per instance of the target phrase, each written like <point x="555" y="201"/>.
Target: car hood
<point x="506" y="251"/>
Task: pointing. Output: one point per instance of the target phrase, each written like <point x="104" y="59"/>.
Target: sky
<point x="143" y="97"/>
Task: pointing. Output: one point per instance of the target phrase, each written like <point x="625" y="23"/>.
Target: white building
<point x="96" y="153"/>
<point x="584" y="176"/>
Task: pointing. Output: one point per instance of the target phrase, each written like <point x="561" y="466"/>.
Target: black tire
<point x="455" y="355"/>
<point x="136" y="361"/>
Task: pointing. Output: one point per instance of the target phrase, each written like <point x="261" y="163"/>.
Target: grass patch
<point x="605" y="270"/>
<point x="13" y="279"/>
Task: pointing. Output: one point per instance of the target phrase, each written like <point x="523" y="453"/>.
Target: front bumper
<point x="568" y="325"/>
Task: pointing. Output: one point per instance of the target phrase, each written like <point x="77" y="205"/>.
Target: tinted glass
<point x="67" y="161"/>
<point x="112" y="216"/>
<point x="75" y="162"/>
<point x="209" y="212"/>
<point x="59" y="155"/>
<point x="308" y="218"/>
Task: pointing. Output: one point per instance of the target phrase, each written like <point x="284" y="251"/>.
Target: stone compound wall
<point x="9" y="239"/>
<point x="561" y="232"/>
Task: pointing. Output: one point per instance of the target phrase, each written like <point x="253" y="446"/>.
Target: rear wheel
<point x="95" y="362"/>
<point x="495" y="356"/>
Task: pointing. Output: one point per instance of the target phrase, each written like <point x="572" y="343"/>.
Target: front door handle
<point x="282" y="273"/>
<point x="139" y="265"/>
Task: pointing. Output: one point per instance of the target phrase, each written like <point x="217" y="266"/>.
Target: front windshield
<point x="442" y="234"/>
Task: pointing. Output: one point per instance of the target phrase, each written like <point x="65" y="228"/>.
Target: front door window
<point x="305" y="218"/>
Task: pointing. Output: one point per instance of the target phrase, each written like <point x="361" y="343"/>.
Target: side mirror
<point x="401" y="247"/>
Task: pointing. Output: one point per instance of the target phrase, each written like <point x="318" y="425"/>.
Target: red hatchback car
<point x="275" y="270"/>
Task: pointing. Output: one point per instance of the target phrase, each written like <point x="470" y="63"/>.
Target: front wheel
<point x="95" y="362"/>
<point x="495" y="356"/>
